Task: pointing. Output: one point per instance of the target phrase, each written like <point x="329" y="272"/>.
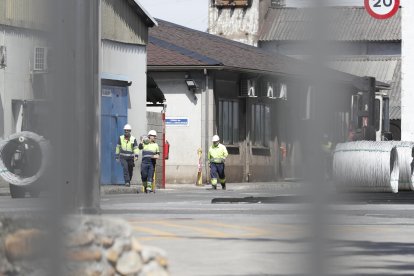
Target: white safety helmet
<point x="127" y="127"/>
<point x="216" y="138"/>
<point x="152" y="133"/>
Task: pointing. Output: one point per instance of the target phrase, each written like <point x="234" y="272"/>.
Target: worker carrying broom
<point x="217" y="154"/>
<point x="150" y="154"/>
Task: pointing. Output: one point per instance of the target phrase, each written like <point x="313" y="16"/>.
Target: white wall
<point x="407" y="84"/>
<point x="181" y="167"/>
<point x="16" y="78"/>
<point x="130" y="61"/>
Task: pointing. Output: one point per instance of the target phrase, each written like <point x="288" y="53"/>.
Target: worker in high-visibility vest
<point x="127" y="152"/>
<point x="217" y="154"/>
<point x="150" y="154"/>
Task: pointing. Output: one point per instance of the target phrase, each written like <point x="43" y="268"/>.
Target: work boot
<point x="214" y="187"/>
<point x="223" y="186"/>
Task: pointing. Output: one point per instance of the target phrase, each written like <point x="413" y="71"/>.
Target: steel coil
<point x="366" y="166"/>
<point x="8" y="148"/>
<point x="405" y="163"/>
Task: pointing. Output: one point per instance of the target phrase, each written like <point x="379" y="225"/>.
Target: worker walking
<point x="127" y="152"/>
<point x="150" y="154"/>
<point x="217" y="154"/>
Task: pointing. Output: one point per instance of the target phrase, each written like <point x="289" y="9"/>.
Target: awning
<point x="115" y="79"/>
<point x="154" y="93"/>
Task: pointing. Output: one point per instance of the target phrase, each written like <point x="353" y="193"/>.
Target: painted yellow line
<point x="252" y="231"/>
<point x="208" y="232"/>
<point x="154" y="232"/>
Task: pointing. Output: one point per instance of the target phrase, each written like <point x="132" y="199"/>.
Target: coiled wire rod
<point x="37" y="160"/>
<point x="366" y="166"/>
<point x="405" y="163"/>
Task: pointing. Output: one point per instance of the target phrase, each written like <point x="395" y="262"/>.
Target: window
<point x="377" y="114"/>
<point x="260" y="125"/>
<point x="229" y="121"/>
<point x="40" y="59"/>
<point x="3" y="57"/>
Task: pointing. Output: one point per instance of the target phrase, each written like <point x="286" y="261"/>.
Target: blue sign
<point x="177" y="121"/>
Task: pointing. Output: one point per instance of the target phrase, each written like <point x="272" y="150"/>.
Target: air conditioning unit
<point x="3" y="57"/>
<point x="248" y="88"/>
<point x="40" y="59"/>
<point x="282" y="92"/>
<point x="270" y="93"/>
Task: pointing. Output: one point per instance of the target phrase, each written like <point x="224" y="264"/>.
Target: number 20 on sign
<point x="382" y="9"/>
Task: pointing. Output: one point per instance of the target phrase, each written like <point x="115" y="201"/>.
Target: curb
<point x="261" y="200"/>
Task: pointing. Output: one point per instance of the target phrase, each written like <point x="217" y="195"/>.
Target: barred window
<point x="260" y="125"/>
<point x="229" y="121"/>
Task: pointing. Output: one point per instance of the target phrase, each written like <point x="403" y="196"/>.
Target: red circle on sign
<point x="382" y="16"/>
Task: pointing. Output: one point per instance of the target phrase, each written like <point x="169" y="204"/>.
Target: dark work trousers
<point x="217" y="169"/>
<point x="147" y="171"/>
<point x="128" y="167"/>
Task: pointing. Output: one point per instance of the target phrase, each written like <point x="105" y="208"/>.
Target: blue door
<point x="114" y="115"/>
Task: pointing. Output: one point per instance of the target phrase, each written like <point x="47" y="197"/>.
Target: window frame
<point x="229" y="131"/>
<point x="260" y="129"/>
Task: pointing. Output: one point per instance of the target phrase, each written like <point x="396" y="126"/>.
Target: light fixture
<point x="191" y="84"/>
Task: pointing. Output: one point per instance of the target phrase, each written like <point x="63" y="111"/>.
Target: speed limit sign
<point x="382" y="9"/>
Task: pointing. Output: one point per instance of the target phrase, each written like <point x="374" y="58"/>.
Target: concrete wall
<point x="237" y="24"/>
<point x="130" y="61"/>
<point x="181" y="167"/>
<point x="16" y="79"/>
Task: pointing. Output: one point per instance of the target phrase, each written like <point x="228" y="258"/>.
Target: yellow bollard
<point x="200" y="166"/>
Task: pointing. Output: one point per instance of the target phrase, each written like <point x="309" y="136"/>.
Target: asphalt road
<point x="366" y="234"/>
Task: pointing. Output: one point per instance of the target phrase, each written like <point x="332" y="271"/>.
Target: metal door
<point x="114" y="115"/>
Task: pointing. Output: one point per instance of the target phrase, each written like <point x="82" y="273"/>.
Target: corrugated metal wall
<point x="32" y="14"/>
<point x="121" y="23"/>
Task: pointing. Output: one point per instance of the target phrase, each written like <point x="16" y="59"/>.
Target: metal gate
<point x="114" y="115"/>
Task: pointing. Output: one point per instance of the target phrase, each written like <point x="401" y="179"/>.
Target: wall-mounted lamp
<point x="191" y="84"/>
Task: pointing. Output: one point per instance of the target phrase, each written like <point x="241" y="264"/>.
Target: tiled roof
<point x="386" y="69"/>
<point x="342" y="24"/>
<point x="171" y="44"/>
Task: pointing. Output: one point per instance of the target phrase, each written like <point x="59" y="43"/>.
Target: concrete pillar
<point x="75" y="123"/>
<point x="407" y="85"/>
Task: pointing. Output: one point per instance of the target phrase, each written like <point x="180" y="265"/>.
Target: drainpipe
<point x="164" y="153"/>
<point x="247" y="143"/>
<point x="207" y="123"/>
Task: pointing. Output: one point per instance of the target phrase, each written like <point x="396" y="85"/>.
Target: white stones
<point x="129" y="263"/>
<point x="94" y="246"/>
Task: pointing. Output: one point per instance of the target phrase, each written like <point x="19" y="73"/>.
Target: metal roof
<point x="141" y="11"/>
<point x="384" y="68"/>
<point x="342" y="24"/>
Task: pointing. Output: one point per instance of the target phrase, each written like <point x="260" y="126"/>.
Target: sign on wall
<point x="382" y="9"/>
<point x="177" y="121"/>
